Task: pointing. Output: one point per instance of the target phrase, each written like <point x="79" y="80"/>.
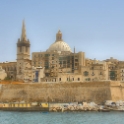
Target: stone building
<point x="18" y="70"/>
<point x="59" y="63"/>
<point x="23" y="56"/>
<point x="63" y="65"/>
<point x="3" y="74"/>
<point x="10" y="68"/>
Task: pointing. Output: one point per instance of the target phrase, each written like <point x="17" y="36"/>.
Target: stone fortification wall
<point x="117" y="91"/>
<point x="62" y="92"/>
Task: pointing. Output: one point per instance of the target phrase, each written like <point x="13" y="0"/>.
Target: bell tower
<point x="23" y="52"/>
<point x="23" y="45"/>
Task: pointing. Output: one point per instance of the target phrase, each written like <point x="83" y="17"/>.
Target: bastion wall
<point x="63" y="92"/>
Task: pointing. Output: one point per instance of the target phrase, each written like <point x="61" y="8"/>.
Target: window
<point x="46" y="55"/>
<point x="60" y="62"/>
<point x="78" y="79"/>
<point x="76" y="60"/>
<point x="88" y="79"/>
<point x="76" y="64"/>
<point x="92" y="67"/>
<point x="64" y="62"/>
<point x="59" y="79"/>
<point x="112" y="75"/>
<point x="86" y="73"/>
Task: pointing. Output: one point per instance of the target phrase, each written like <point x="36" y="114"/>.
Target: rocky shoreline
<point x="107" y="107"/>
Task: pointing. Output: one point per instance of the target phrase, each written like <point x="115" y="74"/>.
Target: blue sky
<point x="95" y="27"/>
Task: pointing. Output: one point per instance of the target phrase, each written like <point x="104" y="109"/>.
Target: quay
<point x="62" y="107"/>
<point x="22" y="106"/>
<point x="24" y="109"/>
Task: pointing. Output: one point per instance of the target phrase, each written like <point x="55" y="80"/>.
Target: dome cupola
<point x="59" y="44"/>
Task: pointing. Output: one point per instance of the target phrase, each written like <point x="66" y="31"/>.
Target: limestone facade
<point x="60" y="64"/>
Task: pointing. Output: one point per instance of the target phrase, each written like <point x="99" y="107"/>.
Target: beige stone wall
<point x="60" y="92"/>
<point x="117" y="91"/>
<point x="63" y="92"/>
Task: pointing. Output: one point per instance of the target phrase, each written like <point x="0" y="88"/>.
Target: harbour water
<point x="61" y="118"/>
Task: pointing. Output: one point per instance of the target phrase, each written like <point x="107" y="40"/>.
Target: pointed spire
<point x="59" y="36"/>
<point x="23" y="35"/>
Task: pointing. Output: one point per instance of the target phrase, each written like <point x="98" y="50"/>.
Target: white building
<point x="2" y="74"/>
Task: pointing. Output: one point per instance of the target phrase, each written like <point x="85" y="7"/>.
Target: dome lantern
<point x="59" y="36"/>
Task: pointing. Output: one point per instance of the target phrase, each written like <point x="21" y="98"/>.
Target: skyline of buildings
<point x="87" y="25"/>
<point x="59" y="64"/>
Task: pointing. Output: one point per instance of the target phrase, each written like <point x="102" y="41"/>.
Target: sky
<point x="95" y="27"/>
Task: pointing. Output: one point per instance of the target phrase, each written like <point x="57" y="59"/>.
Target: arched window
<point x="67" y="79"/>
<point x="59" y="79"/>
<point x="78" y="79"/>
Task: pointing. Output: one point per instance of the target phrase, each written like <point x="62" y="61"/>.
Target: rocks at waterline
<point x="84" y="106"/>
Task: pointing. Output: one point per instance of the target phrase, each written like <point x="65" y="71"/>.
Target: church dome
<point x="59" y="44"/>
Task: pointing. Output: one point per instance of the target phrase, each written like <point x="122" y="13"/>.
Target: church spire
<point x="23" y="35"/>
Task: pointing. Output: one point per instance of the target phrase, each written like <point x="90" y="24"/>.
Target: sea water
<point x="61" y="118"/>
